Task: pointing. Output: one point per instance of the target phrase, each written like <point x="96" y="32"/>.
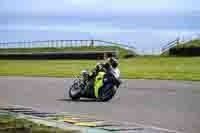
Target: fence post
<point x="48" y="44"/>
<point x="61" y="43"/>
<point x="52" y="44"/>
<point x="88" y="43"/>
<point x="178" y="40"/>
<point x="75" y="43"/>
<point x="55" y="43"/>
<point x="92" y="43"/>
<point x="65" y="43"/>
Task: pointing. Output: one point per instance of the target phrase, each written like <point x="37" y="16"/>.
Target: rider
<point x="109" y="68"/>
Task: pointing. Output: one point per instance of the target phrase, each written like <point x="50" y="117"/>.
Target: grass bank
<point x="190" y="44"/>
<point x="191" y="48"/>
<point x="173" y="68"/>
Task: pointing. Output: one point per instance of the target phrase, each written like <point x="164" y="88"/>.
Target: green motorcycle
<point x="102" y="87"/>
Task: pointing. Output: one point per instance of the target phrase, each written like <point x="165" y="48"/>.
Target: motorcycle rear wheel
<point x="107" y="94"/>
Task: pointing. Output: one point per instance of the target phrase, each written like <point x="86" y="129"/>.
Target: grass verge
<point x="172" y="68"/>
<point x="12" y="124"/>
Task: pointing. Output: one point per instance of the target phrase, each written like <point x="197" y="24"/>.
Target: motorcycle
<point x="109" y="86"/>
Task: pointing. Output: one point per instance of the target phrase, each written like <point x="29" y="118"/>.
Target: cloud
<point x="94" y="7"/>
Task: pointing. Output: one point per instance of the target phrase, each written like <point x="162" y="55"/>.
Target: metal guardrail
<point x="62" y="44"/>
<point x="117" y="44"/>
<point x="47" y="43"/>
<point x="184" y="40"/>
<point x="170" y="45"/>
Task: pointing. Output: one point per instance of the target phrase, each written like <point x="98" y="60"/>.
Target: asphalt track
<point x="173" y="105"/>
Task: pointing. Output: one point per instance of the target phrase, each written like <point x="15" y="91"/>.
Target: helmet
<point x="113" y="62"/>
<point x="98" y="67"/>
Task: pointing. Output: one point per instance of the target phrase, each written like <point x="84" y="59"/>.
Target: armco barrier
<point x="60" y="55"/>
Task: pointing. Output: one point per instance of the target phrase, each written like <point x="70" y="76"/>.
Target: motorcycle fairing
<point x="98" y="83"/>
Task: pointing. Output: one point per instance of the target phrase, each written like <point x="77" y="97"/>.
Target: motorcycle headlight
<point x="84" y="73"/>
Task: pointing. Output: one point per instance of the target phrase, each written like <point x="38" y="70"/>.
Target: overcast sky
<point x="96" y="7"/>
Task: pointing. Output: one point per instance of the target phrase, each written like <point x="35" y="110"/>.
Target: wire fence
<point x="63" y="44"/>
<point x="177" y="41"/>
<point x="91" y="43"/>
<point x="78" y="43"/>
<point x="47" y="44"/>
<point x="170" y="45"/>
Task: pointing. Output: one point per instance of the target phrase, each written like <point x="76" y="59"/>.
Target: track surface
<point x="167" y="104"/>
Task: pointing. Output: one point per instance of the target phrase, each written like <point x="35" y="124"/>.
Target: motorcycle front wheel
<point x="75" y="91"/>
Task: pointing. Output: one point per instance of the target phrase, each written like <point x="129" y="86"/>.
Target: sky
<point x="136" y="19"/>
<point x="97" y="7"/>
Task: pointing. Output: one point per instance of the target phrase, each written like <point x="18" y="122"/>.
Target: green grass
<point x="122" y="52"/>
<point x="172" y="68"/>
<point x="177" y="68"/>
<point x="12" y="124"/>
